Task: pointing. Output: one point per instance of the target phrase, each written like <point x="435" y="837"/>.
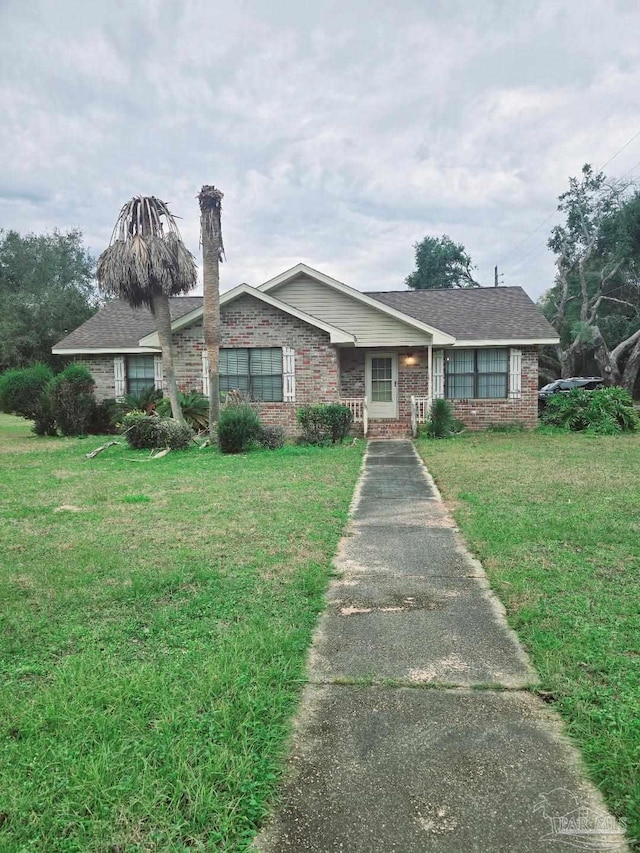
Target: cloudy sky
<point x="340" y="132"/>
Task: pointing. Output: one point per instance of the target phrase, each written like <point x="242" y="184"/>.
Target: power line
<point x="553" y="213"/>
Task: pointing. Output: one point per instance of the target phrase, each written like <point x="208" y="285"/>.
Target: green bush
<point x="441" y="423"/>
<point x="44" y="422"/>
<point x="324" y="424"/>
<point x="606" y="411"/>
<point x="195" y="408"/>
<point x="72" y="400"/>
<point x="271" y="437"/>
<point x="150" y="432"/>
<point x="145" y="401"/>
<point x="238" y="428"/>
<point x="22" y="390"/>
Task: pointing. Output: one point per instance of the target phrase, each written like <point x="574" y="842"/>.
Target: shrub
<point x="606" y="411"/>
<point x="441" y="423"/>
<point x="150" y="432"/>
<point x="44" y="422"/>
<point x="72" y="400"/>
<point x="195" y="408"/>
<point x="145" y="401"/>
<point x="238" y="428"/>
<point x="22" y="390"/>
<point x="322" y="424"/>
<point x="107" y="417"/>
<point x="271" y="437"/>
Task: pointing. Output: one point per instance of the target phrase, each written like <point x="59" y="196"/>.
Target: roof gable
<point x="436" y="335"/>
<point x="336" y="335"/>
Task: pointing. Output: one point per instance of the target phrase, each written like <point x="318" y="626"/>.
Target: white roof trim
<point x="102" y="350"/>
<point x="439" y="337"/>
<point x="506" y="342"/>
<point x="336" y="335"/>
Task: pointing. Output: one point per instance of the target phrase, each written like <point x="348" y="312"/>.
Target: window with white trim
<point x="140" y="373"/>
<point x="257" y="372"/>
<point x="476" y="374"/>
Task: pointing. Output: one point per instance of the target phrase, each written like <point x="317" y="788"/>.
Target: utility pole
<point x="495" y="276"/>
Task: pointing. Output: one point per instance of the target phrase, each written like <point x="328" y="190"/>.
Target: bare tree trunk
<point x="160" y="309"/>
<point x="210" y="200"/>
<point x="632" y="368"/>
<point x="211" y="322"/>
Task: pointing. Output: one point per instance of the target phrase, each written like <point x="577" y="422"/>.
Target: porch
<point x="387" y="390"/>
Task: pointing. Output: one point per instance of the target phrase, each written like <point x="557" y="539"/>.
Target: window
<point x="381" y="379"/>
<point x="476" y="374"/>
<point x="255" y="372"/>
<point x="140" y="373"/>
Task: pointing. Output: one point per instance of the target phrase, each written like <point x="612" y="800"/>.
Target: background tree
<point x="595" y="301"/>
<point x="47" y="288"/>
<point x="210" y="200"/>
<point x="146" y="263"/>
<point x="441" y="263"/>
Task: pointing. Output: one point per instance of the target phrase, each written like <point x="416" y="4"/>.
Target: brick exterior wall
<point x="324" y="373"/>
<point x="101" y="368"/>
<point x="414" y="379"/>
<point x="480" y="414"/>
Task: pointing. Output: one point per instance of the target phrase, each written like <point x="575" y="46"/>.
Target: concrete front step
<point x="389" y="429"/>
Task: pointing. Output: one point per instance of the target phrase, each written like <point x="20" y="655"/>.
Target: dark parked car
<point x="589" y="383"/>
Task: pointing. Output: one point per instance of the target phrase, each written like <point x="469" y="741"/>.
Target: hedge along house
<point x="304" y="338"/>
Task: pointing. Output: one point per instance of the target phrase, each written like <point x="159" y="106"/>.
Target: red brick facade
<point x="324" y="373"/>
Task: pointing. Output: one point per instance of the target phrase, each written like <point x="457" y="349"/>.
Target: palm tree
<point x="210" y="200"/>
<point x="146" y="263"/>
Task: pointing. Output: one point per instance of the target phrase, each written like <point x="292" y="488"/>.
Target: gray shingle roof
<point x="479" y="313"/>
<point x="485" y="313"/>
<point x="118" y="325"/>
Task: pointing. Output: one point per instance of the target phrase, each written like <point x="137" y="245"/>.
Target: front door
<point x="381" y="374"/>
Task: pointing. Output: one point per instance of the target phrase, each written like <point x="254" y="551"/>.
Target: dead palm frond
<point x="146" y="256"/>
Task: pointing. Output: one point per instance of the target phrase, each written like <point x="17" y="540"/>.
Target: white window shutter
<point x="288" y="374"/>
<point x="205" y="373"/>
<point x="515" y="373"/>
<point x="438" y="374"/>
<point x="119" y="377"/>
<point x="158" y="375"/>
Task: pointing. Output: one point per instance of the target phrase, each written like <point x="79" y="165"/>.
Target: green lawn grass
<point x="154" y="618"/>
<point x="555" y="520"/>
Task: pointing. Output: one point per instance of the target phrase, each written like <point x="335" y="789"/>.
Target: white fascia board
<point x="336" y="335"/>
<point x="506" y="342"/>
<point x="102" y="350"/>
<point x="438" y="337"/>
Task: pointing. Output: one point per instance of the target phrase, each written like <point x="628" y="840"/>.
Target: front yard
<point x="556" y="521"/>
<point x="154" y="621"/>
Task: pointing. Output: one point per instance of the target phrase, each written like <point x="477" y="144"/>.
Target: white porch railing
<point x="359" y="410"/>
<point x="420" y="407"/>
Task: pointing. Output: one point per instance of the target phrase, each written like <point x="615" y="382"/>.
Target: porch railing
<point x="359" y="410"/>
<point x="419" y="412"/>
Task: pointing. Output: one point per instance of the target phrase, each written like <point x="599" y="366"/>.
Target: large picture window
<point x="476" y="374"/>
<point x="255" y="372"/>
<point x="140" y="373"/>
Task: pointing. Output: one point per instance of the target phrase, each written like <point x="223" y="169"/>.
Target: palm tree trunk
<point x="211" y="321"/>
<point x="160" y="309"/>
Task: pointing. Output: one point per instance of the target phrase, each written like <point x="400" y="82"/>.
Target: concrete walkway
<point x="418" y="730"/>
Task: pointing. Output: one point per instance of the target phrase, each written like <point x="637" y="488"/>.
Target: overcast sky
<point x="340" y="132"/>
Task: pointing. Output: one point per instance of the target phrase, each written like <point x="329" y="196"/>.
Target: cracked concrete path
<point x="418" y="729"/>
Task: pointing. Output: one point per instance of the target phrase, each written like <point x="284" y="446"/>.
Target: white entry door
<point x="381" y="379"/>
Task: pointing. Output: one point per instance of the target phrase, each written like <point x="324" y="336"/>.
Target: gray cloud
<point x="340" y="134"/>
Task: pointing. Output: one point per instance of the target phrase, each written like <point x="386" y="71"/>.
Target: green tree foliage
<point x="441" y="263"/>
<point x="46" y="291"/>
<point x="595" y="301"/>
